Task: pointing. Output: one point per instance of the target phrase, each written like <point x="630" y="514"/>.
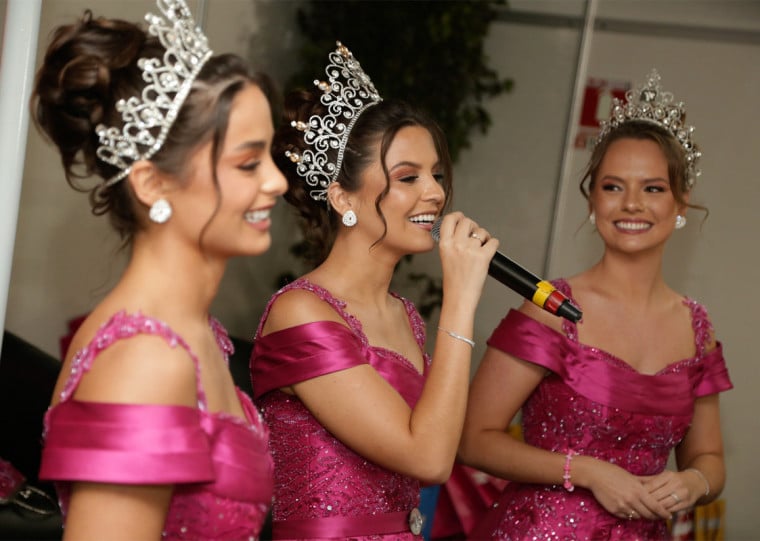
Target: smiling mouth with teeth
<point x="256" y="216"/>
<point x="423" y="219"/>
<point x="633" y="226"/>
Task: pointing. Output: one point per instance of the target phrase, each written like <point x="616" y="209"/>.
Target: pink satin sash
<point x="339" y="527"/>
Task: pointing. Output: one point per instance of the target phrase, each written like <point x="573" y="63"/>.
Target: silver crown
<point x="168" y="79"/>
<point x="650" y="103"/>
<point x="348" y="92"/>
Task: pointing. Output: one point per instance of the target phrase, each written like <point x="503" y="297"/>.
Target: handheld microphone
<point x="521" y="281"/>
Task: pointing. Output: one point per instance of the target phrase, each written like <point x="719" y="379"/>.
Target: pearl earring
<point x="349" y="218"/>
<point x="680" y="221"/>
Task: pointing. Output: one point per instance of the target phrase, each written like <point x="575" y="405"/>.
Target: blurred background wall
<point x="519" y="180"/>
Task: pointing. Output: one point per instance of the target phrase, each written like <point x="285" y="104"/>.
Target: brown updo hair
<point x="89" y="66"/>
<point x="675" y="155"/>
<point x="377" y="124"/>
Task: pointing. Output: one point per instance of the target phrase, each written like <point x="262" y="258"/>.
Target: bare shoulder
<point x="298" y="307"/>
<point x="580" y="284"/>
<point x="143" y="369"/>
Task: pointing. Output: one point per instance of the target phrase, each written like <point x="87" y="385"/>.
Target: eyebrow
<point x="411" y="164"/>
<point x="655" y="179"/>
<point x="645" y="181"/>
<point x="251" y="145"/>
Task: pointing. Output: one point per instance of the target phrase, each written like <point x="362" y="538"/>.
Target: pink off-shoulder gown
<point x="218" y="463"/>
<point x="597" y="405"/>
<point x="324" y="490"/>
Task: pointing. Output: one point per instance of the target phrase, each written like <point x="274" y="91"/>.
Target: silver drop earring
<point x="349" y="218"/>
<point x="592" y="218"/>
<point x="680" y="221"/>
<point x="160" y="211"/>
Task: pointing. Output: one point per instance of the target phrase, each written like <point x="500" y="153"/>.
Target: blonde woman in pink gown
<point x="147" y="436"/>
<point x="360" y="416"/>
<point x="605" y="401"/>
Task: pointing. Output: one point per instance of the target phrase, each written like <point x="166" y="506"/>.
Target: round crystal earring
<point x="592" y="218"/>
<point x="349" y="218"/>
<point x="160" y="211"/>
<point x="680" y="221"/>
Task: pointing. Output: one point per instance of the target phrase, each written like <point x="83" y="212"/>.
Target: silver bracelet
<point x="458" y="337"/>
<point x="704" y="479"/>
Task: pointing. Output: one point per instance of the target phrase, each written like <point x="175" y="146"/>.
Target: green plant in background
<point x="426" y="52"/>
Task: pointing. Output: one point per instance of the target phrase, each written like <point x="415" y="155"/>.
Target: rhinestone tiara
<point x="650" y="103"/>
<point x="168" y="82"/>
<point x="346" y="94"/>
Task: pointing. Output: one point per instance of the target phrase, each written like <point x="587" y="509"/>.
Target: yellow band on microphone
<point x="543" y="290"/>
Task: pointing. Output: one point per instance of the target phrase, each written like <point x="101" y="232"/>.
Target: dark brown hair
<point x="378" y="124"/>
<point x="89" y="66"/>
<point x="642" y="130"/>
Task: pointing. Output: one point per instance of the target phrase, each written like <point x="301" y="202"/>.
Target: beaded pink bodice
<point x="597" y="405"/>
<point x="219" y="463"/>
<point x="315" y="474"/>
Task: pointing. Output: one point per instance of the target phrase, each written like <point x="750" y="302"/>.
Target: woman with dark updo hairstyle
<point x="147" y="436"/>
<point x="359" y="414"/>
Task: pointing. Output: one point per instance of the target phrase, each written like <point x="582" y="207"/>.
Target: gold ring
<point x="675" y="497"/>
<point x="631" y="515"/>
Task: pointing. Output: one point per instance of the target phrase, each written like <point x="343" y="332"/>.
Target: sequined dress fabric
<point x="218" y="463"/>
<point x="316" y="476"/>
<point x="597" y="405"/>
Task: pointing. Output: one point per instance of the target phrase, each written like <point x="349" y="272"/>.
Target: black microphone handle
<point x="525" y="283"/>
<point x="513" y="275"/>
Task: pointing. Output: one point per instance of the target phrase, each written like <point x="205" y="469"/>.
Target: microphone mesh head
<point x="435" y="232"/>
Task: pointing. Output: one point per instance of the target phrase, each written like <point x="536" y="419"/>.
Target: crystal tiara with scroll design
<point x="168" y="82"/>
<point x="649" y="103"/>
<point x="346" y="94"/>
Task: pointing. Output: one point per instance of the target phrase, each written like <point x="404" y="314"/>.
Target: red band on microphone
<point x="554" y="301"/>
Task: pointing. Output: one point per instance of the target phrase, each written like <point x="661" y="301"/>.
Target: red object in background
<point x="682" y="526"/>
<point x="463" y="501"/>
<point x="597" y="99"/>
<point x="65" y="341"/>
<point x="597" y="105"/>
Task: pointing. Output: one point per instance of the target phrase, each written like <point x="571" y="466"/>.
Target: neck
<point x="636" y="278"/>
<point x="167" y="278"/>
<point x="354" y="272"/>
